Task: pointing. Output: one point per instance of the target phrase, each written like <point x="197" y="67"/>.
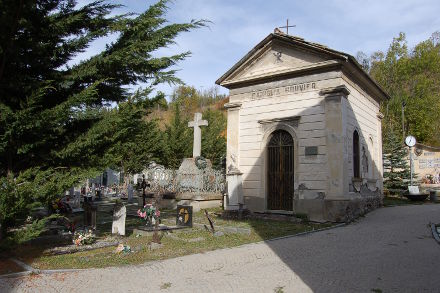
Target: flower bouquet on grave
<point x="150" y="214"/>
<point x="83" y="238"/>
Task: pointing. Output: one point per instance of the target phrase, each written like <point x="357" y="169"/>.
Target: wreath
<point x="201" y="162"/>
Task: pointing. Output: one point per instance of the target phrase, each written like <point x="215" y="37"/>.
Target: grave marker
<point x="197" y="146"/>
<point x="119" y="215"/>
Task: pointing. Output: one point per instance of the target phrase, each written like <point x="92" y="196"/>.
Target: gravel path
<point x="391" y="249"/>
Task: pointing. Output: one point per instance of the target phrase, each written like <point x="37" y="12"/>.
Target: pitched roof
<point x="318" y="48"/>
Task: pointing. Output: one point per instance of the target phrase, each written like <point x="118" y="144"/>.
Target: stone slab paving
<point x="391" y="249"/>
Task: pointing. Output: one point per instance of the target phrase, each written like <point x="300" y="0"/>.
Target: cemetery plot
<point x="134" y="248"/>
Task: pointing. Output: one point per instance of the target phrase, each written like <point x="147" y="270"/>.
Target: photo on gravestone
<point x="184" y="216"/>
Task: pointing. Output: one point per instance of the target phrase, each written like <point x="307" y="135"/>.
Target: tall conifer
<point x="55" y="115"/>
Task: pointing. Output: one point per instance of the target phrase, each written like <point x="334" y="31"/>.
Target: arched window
<point x="356" y="155"/>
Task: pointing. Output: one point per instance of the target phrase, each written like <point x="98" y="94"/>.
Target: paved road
<point x="391" y="249"/>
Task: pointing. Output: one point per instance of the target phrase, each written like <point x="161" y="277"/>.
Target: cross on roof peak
<point x="287" y="27"/>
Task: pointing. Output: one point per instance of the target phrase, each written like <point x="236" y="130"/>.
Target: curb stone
<point x="30" y="270"/>
<point x="435" y="233"/>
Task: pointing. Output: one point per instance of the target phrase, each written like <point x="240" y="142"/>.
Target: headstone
<point x="119" y="214"/>
<point x="190" y="176"/>
<point x="144" y="185"/>
<point x="235" y="190"/>
<point x="90" y="214"/>
<point x="75" y="202"/>
<point x="413" y="190"/>
<point x="130" y="192"/>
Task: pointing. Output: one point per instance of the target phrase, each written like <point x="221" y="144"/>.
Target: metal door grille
<point x="280" y="171"/>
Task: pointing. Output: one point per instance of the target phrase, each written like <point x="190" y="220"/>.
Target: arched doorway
<point x="280" y="171"/>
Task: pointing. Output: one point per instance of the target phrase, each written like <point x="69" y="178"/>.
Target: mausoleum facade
<point x="304" y="131"/>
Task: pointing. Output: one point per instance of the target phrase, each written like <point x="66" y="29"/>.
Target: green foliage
<point x="214" y="137"/>
<point x="191" y="100"/>
<point x="178" y="138"/>
<point x="411" y="77"/>
<point x="136" y="141"/>
<point x="12" y="201"/>
<point x="33" y="230"/>
<point x="396" y="170"/>
<point x="188" y="100"/>
<point x="56" y="123"/>
<point x="185" y="102"/>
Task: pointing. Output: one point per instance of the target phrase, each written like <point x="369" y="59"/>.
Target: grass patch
<point x="172" y="246"/>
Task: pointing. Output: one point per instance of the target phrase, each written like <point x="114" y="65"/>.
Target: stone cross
<point x="197" y="146"/>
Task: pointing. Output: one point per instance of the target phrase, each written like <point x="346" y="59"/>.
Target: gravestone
<point x="75" y="203"/>
<point x="90" y="214"/>
<point x="119" y="215"/>
<point x="190" y="173"/>
<point x="130" y="192"/>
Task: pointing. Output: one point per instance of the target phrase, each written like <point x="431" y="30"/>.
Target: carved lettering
<point x="286" y="89"/>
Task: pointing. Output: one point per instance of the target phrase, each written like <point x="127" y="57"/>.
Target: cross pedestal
<point x="197" y="146"/>
<point x="189" y="176"/>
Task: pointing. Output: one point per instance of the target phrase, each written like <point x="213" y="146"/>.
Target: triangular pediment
<point x="275" y="56"/>
<point x="280" y="55"/>
<point x="278" y="58"/>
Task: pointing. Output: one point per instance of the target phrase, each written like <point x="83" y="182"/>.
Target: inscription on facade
<point x="301" y="87"/>
<point x="429" y="163"/>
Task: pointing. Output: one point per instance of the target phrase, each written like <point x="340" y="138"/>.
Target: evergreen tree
<point x="396" y="170"/>
<point x="214" y="137"/>
<point x="185" y="101"/>
<point x="136" y="141"/>
<point x="54" y="122"/>
<point x="178" y="138"/>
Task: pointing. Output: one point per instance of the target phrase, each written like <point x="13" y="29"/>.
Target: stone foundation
<point x="197" y="201"/>
<point x="344" y="210"/>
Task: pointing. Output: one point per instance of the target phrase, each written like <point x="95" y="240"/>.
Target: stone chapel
<point x="303" y="133"/>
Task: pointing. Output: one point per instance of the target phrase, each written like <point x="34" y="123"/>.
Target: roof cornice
<point x="342" y="58"/>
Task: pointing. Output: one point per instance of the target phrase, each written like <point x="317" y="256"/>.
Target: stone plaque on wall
<point x="311" y="150"/>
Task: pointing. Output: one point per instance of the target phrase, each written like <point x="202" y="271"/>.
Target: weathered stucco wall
<point x="284" y="99"/>
<point x="314" y="93"/>
<point x="363" y="115"/>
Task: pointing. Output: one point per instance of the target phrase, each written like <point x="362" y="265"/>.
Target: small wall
<point x="426" y="164"/>
<point x="324" y="210"/>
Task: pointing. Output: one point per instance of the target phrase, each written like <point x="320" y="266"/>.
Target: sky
<point x="237" y="26"/>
